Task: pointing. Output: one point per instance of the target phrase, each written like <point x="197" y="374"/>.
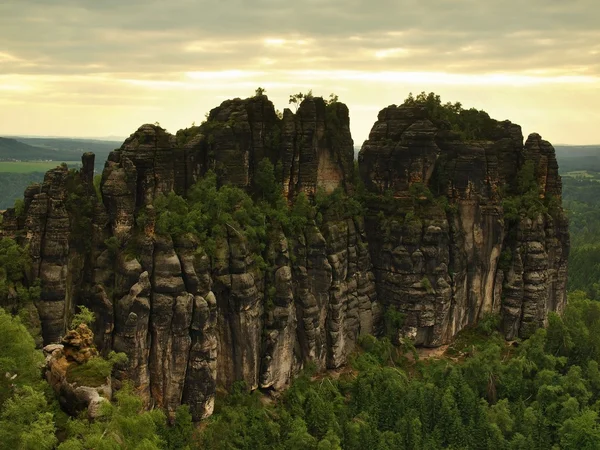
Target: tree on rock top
<point x="470" y="124"/>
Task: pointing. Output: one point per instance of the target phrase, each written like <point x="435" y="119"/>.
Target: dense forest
<point x="580" y="170"/>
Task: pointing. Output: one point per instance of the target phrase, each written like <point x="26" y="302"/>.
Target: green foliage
<point x="333" y="98"/>
<point x="266" y="185"/>
<point x="581" y="200"/>
<point x="26" y="423"/>
<point x="427" y="285"/>
<point x="80" y="204"/>
<point x="18" y="357"/>
<point x="212" y="213"/>
<point x="420" y="193"/>
<point x="300" y="214"/>
<point x="337" y="205"/>
<point x="489" y="323"/>
<point x="179" y="435"/>
<point x="470" y="124"/>
<point x="185" y="135"/>
<point x="527" y="200"/>
<point x="96" y="370"/>
<point x="393" y="321"/>
<point x="113" y="246"/>
<point x="297" y="99"/>
<point x="15" y="264"/>
<point x="14" y="260"/>
<point x="122" y="425"/>
<point x="505" y="259"/>
<point x="259" y="92"/>
<point x="19" y="207"/>
<point x="26" y="419"/>
<point x="97" y="186"/>
<point x="84" y="316"/>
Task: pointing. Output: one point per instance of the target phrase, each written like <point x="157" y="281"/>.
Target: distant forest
<point x="25" y="160"/>
<point x="580" y="170"/>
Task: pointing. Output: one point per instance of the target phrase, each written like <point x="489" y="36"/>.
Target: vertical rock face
<point x="190" y="323"/>
<point x="447" y="260"/>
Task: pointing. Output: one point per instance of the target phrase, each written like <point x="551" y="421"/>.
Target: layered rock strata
<point x="190" y="323"/>
<point x="445" y="252"/>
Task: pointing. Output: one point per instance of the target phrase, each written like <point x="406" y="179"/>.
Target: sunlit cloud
<point x="211" y="46"/>
<point x="274" y="42"/>
<point x="7" y="57"/>
<point x="14" y="87"/>
<point x="221" y="75"/>
<point x="391" y="53"/>
<point x="441" y="78"/>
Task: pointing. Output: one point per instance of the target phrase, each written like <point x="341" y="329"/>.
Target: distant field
<point x="579" y="174"/>
<point x="31" y="166"/>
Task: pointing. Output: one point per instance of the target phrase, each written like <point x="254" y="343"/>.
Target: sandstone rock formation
<point x="76" y="349"/>
<point x="440" y="262"/>
<point x="189" y="322"/>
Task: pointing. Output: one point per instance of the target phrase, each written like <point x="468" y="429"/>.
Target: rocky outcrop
<point x="76" y="392"/>
<point x="444" y="250"/>
<point x="436" y="243"/>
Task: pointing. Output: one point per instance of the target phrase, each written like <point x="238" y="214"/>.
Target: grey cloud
<point x="149" y="38"/>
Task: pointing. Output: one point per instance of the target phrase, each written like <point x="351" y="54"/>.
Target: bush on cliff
<point x="470" y="124"/>
<point x="15" y="263"/>
<point x="96" y="370"/>
<point x="84" y="316"/>
<point x="526" y="200"/>
<point x="211" y="213"/>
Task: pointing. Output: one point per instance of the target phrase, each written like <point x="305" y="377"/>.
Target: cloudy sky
<point x="104" y="67"/>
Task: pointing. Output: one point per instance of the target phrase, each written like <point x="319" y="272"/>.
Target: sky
<point x="95" y="68"/>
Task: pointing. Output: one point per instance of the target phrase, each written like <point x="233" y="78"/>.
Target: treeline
<point x="12" y="186"/>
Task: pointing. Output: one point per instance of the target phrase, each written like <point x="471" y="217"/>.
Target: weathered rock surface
<point x="77" y="348"/>
<point x="438" y="262"/>
<point x="189" y="323"/>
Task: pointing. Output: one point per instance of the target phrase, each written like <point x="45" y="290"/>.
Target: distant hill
<point x="578" y="157"/>
<point x="53" y="149"/>
<point x="15" y="176"/>
<point x="74" y="146"/>
<point x="575" y="151"/>
<point x="12" y="149"/>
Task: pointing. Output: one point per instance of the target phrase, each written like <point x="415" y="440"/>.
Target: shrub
<point x="488" y="323"/>
<point x="113" y="245"/>
<point x="393" y="320"/>
<point x="84" y="316"/>
<point x="19" y="207"/>
<point x="97" y="182"/>
<point x="96" y="370"/>
<point x="470" y="124"/>
<point x="427" y="285"/>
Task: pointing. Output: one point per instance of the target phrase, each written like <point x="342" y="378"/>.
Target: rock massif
<point x="434" y="243"/>
<point x="447" y="264"/>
